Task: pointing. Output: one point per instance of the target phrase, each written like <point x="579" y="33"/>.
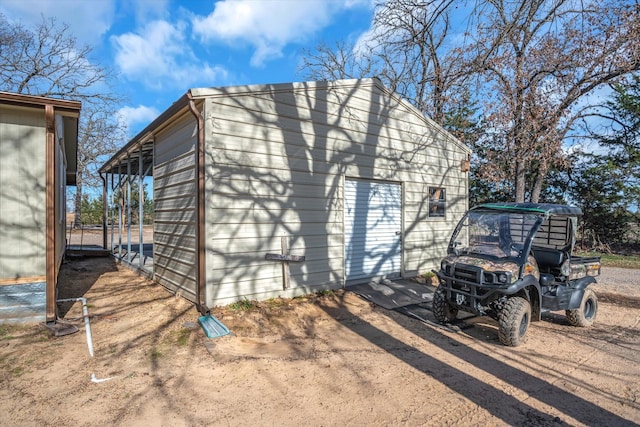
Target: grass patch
<point x="156" y="354"/>
<point x="325" y="293"/>
<point x="182" y="336"/>
<point x="5" y="333"/>
<point x="243" y="305"/>
<point x="429" y="276"/>
<point x="43" y="336"/>
<point x="276" y="302"/>
<point x="624" y="261"/>
<point x="18" y="371"/>
<point x="614" y="260"/>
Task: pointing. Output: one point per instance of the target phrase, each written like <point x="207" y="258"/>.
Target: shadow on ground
<point x="77" y="276"/>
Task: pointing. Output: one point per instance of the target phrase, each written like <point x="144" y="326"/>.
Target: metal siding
<point x="23" y="303"/>
<point x="174" y="194"/>
<point x="22" y="194"/>
<point x="372" y="228"/>
<point x="275" y="161"/>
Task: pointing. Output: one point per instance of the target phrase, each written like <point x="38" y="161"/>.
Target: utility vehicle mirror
<point x="456" y="251"/>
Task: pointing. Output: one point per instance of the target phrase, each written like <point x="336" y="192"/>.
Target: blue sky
<point x="158" y="49"/>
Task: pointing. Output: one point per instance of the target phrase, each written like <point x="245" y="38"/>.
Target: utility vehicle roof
<point x="547" y="209"/>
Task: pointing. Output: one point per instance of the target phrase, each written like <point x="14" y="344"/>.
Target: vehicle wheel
<point x="442" y="310"/>
<point x="513" y="321"/>
<point x="586" y="314"/>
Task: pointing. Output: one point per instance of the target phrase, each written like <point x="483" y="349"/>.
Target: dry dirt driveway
<point x="322" y="360"/>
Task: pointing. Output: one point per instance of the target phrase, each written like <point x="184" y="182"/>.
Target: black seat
<point x="548" y="259"/>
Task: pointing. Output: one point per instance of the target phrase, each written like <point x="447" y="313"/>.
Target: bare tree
<point x="539" y="61"/>
<point x="408" y="48"/>
<point x="336" y="63"/>
<point x="530" y="65"/>
<point x="47" y="62"/>
<point x="98" y="139"/>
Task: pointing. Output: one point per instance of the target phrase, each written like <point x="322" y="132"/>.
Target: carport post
<point x="105" y="208"/>
<point x="120" y="209"/>
<point x="128" y="209"/>
<point x="112" y="212"/>
<point x="140" y="210"/>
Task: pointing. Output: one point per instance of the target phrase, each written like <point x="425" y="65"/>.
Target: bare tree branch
<point x="47" y="62"/>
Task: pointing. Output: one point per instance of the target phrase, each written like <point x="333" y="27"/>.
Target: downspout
<point x="50" y="209"/>
<point x="201" y="304"/>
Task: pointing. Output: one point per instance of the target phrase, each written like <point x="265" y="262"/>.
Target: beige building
<point x="281" y="190"/>
<point x="38" y="140"/>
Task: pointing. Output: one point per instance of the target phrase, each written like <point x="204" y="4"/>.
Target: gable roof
<point x="144" y="139"/>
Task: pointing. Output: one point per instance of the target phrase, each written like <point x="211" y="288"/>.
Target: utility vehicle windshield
<point x="494" y="234"/>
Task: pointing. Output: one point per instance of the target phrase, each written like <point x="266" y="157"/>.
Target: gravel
<point x="619" y="280"/>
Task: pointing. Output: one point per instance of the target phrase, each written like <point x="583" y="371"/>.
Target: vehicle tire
<point x="442" y="310"/>
<point x="513" y="321"/>
<point x="586" y="314"/>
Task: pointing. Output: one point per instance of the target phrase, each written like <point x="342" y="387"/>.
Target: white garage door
<point x="373" y="226"/>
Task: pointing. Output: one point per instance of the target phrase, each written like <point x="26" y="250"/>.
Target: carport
<point x="124" y="177"/>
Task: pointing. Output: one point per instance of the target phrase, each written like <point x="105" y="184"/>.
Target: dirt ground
<point x="332" y="359"/>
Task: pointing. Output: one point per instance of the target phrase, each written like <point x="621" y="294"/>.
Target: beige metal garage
<point x="280" y="190"/>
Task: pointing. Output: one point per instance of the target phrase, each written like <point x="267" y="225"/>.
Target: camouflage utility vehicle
<point x="513" y="261"/>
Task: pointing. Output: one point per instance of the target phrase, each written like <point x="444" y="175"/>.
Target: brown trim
<point x="23" y="280"/>
<point x="50" y="204"/>
<point x="200" y="238"/>
<point x="39" y="101"/>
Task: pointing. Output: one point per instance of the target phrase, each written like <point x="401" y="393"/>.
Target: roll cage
<point x="509" y="231"/>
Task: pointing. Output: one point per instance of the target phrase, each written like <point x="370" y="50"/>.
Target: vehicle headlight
<point x="503" y="277"/>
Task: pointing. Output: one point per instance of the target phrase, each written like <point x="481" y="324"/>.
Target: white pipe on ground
<point x="96" y="380"/>
<point x="85" y="314"/>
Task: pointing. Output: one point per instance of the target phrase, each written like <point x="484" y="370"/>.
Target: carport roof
<point x="143" y="141"/>
<point x="542" y="208"/>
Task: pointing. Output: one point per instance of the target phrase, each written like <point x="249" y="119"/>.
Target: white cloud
<point x="152" y="51"/>
<point x="134" y="117"/>
<point x="146" y="10"/>
<point x="369" y="40"/>
<point x="159" y="56"/>
<point x="366" y="43"/>
<point x="87" y="20"/>
<point x="268" y="26"/>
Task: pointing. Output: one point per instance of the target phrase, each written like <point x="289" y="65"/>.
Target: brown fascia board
<point x="10" y="98"/>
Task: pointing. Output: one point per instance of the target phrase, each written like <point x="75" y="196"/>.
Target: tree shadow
<point x="283" y="176"/>
<point x="503" y="406"/>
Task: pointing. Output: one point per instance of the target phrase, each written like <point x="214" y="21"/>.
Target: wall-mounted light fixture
<point x="465" y="165"/>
